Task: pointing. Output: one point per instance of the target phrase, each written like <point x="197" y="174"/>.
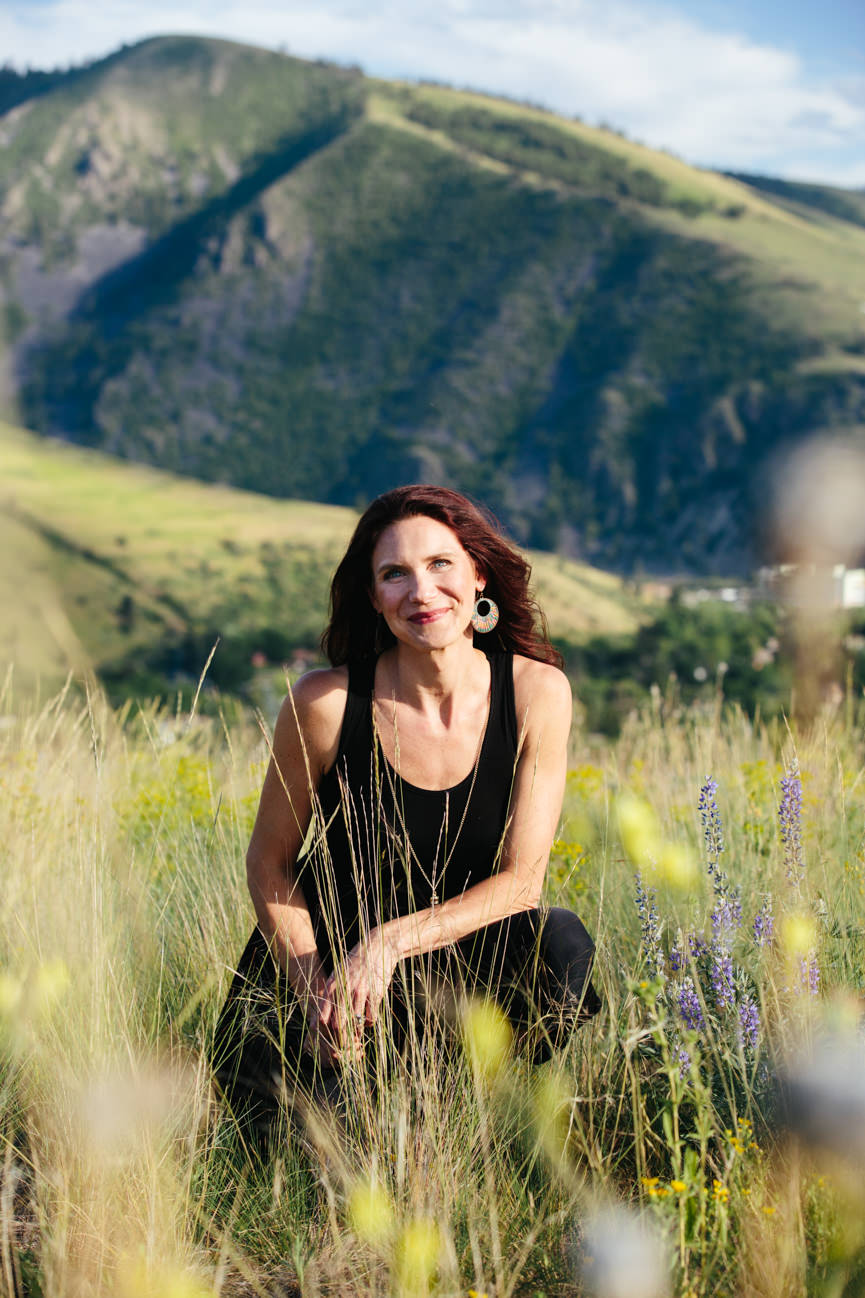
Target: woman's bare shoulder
<point x="315" y="706"/>
<point x="540" y="685"/>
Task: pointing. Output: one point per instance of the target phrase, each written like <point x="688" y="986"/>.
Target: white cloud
<point x="716" y="98"/>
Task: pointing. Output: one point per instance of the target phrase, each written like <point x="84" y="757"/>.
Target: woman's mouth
<point x="427" y="615"/>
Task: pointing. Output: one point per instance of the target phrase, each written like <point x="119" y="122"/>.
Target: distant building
<point x="826" y="585"/>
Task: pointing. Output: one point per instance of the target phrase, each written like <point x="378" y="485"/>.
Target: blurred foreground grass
<point x="123" y="905"/>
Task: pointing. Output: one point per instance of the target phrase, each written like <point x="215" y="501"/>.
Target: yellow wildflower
<point x="639" y="829"/>
<point x="679" y="1186"/>
<point x="370" y="1211"/>
<point x="487" y="1036"/>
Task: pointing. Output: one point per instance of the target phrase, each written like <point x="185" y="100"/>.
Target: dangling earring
<point x="486" y="614"/>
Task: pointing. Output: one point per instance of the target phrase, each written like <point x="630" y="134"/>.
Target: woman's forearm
<point x="496" y="898"/>
<point x="284" y="919"/>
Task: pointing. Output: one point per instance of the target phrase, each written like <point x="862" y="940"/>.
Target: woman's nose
<point x="422" y="588"/>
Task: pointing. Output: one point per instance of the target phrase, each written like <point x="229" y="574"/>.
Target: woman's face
<point x="424" y="583"/>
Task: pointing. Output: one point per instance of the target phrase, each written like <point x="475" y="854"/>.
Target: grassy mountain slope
<point x="810" y="199"/>
<point x="111" y="567"/>
<point x="248" y="268"/>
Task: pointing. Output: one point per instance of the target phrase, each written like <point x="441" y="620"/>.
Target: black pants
<point x="536" y="965"/>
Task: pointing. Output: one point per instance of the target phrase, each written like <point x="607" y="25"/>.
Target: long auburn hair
<point x="355" y="631"/>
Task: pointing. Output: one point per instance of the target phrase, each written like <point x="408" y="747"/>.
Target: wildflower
<point x="764" y="923"/>
<point x="487" y="1036"/>
<point x="418" y="1251"/>
<point x="713" y="831"/>
<point x="719" y="1191"/>
<point x="650" y="1181"/>
<point x="676" y="865"/>
<point x="790" y="818"/>
<point x="697" y="945"/>
<point x="650" y="925"/>
<point x="809" y="974"/>
<point x="689" y="1007"/>
<point x="721" y="974"/>
<point x="749" y="1023"/>
<point x="552" y="1104"/>
<point x="684" y="1062"/>
<point x="726" y="914"/>
<point x="769" y="1210"/>
<point x="639" y="829"/>
<point x="49" y="985"/>
<point x="370" y="1211"/>
<point x="677" y="957"/>
<point x="798" y="934"/>
<point x="679" y="1186"/>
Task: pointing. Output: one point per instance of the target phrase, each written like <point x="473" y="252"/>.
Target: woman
<point x="427" y="765"/>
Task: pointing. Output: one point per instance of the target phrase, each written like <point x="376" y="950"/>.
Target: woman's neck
<point x="426" y="681"/>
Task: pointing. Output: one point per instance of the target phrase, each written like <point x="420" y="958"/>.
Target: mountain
<point x="292" y="278"/>
<point x="133" y="573"/>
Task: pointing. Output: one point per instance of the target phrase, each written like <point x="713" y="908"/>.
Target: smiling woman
<point x="428" y="762"/>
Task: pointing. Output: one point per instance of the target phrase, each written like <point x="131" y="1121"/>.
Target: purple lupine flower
<point x="726" y="916"/>
<point x="790" y="818"/>
<point x="677" y="956"/>
<point x="749" y="1023"/>
<point x="650" y="925"/>
<point x="697" y="945"/>
<point x="688" y="1004"/>
<point x="713" y="831"/>
<point x="809" y="974"/>
<point x="684" y="1062"/>
<point x="764" y="923"/>
<point x="721" y="974"/>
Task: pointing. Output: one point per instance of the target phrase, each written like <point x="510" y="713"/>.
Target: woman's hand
<point x="319" y="1038"/>
<point x="356" y="989"/>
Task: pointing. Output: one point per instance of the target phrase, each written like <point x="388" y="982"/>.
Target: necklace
<point x="393" y="773"/>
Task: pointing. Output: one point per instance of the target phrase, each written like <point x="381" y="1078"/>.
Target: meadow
<point x="720" y="866"/>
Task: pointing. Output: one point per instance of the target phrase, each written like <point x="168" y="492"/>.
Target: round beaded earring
<point x="486" y="613"/>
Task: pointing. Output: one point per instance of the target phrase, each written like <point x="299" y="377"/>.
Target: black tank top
<point x="382" y="847"/>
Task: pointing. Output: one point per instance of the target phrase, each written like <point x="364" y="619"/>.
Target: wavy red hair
<point x="354" y="630"/>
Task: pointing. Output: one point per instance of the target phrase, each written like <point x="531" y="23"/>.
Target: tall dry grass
<point x="124" y="905"/>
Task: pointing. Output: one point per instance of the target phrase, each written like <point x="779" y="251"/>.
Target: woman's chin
<point x="440" y="634"/>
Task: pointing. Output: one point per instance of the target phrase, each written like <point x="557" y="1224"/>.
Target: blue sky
<point x="776" y="86"/>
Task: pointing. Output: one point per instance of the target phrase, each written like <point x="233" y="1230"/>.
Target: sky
<point x="769" y="86"/>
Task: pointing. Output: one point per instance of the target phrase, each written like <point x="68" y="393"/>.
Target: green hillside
<point x="133" y="573"/>
<point x="247" y="268"/>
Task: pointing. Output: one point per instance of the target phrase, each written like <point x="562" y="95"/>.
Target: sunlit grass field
<point x="124" y="905"/>
<point x="82" y="533"/>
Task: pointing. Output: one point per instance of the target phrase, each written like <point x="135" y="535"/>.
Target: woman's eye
<point x="441" y="563"/>
<point x="391" y="572"/>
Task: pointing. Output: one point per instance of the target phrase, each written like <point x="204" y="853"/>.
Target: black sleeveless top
<point x="382" y="847"/>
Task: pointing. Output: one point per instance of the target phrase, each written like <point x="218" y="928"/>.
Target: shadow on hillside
<point x="94" y="331"/>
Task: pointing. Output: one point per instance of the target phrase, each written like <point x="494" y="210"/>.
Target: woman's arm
<point x="543" y="699"/>
<point x="305" y="743"/>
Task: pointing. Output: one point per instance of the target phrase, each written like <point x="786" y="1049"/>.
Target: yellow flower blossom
<point x="488" y="1037"/>
<point x="677" y="866"/>
<point x="639" y="829"/>
<point x="370" y="1211"/>
<point x="679" y="1186"/>
<point x="798" y="935"/>
<point x="418" y="1250"/>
